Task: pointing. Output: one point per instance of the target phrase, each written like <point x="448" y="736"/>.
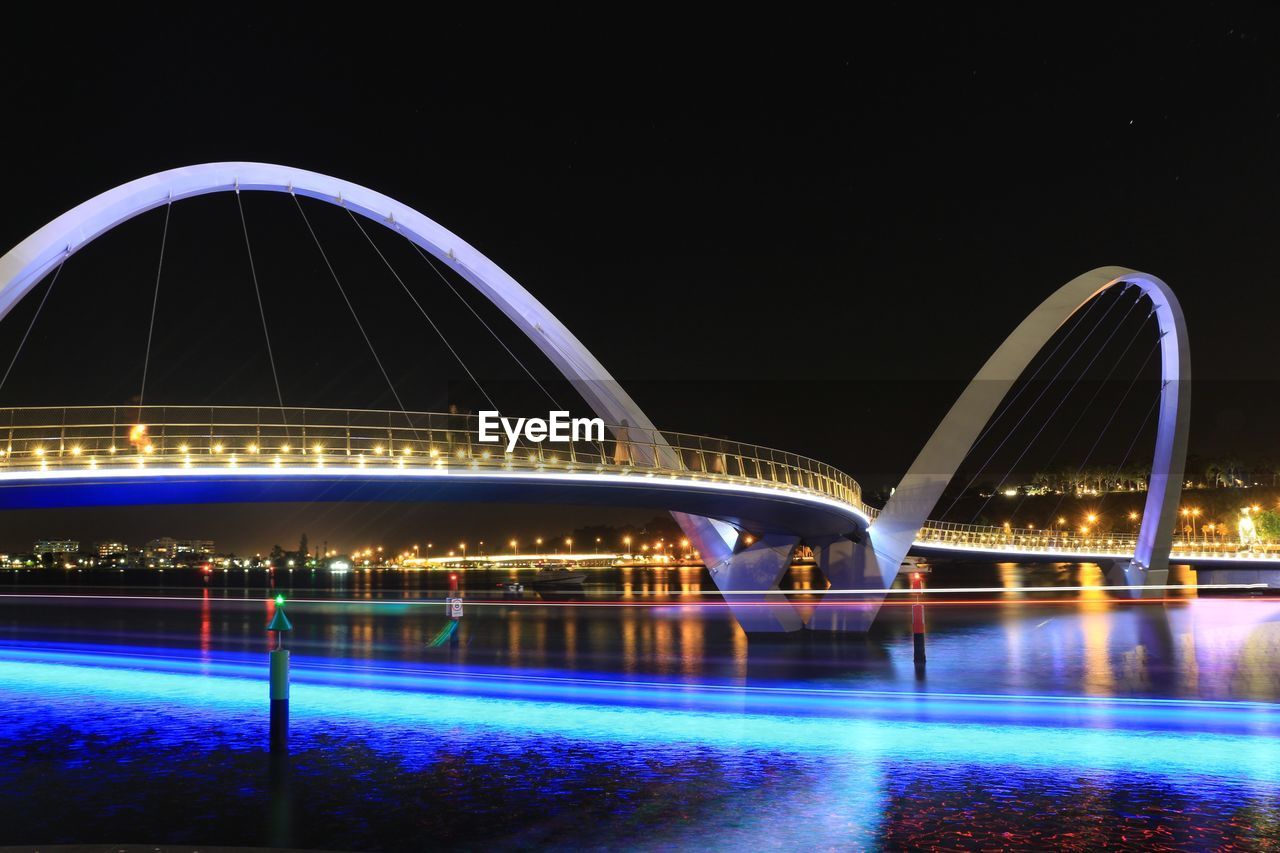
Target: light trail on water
<point x="1182" y="737"/>
<point x="676" y="602"/>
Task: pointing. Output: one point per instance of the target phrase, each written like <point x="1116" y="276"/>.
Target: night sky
<point x="804" y="234"/>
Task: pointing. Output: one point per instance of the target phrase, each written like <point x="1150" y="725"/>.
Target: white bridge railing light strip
<point x="85" y="437"/>
<point x="66" y="439"/>
<point x="1066" y="541"/>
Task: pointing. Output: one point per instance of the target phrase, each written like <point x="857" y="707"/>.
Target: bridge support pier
<point x="735" y="566"/>
<point x="845" y="565"/>
<point x="1238" y="574"/>
<point x="1133" y="573"/>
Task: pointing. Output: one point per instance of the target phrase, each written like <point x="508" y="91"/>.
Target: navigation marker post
<point x="453" y="606"/>
<point x="279" y="679"/>
<point x="917" y="614"/>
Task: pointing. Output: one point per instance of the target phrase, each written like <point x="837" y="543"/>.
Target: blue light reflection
<point x="1167" y="737"/>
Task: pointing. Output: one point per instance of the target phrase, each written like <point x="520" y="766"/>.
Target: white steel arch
<point x="893" y="531"/>
<point x="24" y="265"/>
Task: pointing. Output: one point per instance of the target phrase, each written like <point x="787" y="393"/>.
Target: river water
<point x="636" y="715"/>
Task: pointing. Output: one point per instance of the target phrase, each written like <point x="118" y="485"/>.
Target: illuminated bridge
<point x="57" y="457"/>
<point x="717" y="490"/>
<point x="98" y="456"/>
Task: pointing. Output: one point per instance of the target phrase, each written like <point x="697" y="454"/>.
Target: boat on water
<point x="558" y="574"/>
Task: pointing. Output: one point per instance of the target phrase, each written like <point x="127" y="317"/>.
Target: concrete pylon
<point x="1133" y="573"/>
<point x="847" y="565"/>
<point x="756" y="567"/>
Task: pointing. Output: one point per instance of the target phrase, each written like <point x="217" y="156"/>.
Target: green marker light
<point x="279" y="601"/>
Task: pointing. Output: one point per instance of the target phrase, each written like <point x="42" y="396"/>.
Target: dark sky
<point x="806" y="234"/>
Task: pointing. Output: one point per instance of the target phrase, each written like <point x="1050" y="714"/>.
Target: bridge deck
<point x="132" y="455"/>
<point x="188" y="454"/>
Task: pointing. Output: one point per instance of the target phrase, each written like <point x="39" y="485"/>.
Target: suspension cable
<point x="395" y="394"/>
<point x="1115" y="412"/>
<point x="31" y="325"/>
<point x="487" y="327"/>
<point x="1038" y="398"/>
<point x="262" y="313"/>
<point x="1086" y="408"/>
<point x="155" y="300"/>
<point x="1079" y="321"/>
<point x="422" y="310"/>
<point x="1049" y="419"/>
<point x="1133" y="443"/>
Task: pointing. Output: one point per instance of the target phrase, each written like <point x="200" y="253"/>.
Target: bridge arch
<point x="893" y="531"/>
<point x="28" y="262"/>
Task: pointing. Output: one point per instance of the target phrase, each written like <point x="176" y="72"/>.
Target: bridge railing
<point x="984" y="537"/>
<point x="45" y="438"/>
<point x="980" y="537"/>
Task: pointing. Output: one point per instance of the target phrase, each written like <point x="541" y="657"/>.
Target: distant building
<point x="197" y="547"/>
<point x="111" y="549"/>
<point x="56" y="546"/>
<point x="166" y="551"/>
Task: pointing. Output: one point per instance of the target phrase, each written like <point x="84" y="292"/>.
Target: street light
<point x="626" y="544"/>
<point x="513" y="547"/>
